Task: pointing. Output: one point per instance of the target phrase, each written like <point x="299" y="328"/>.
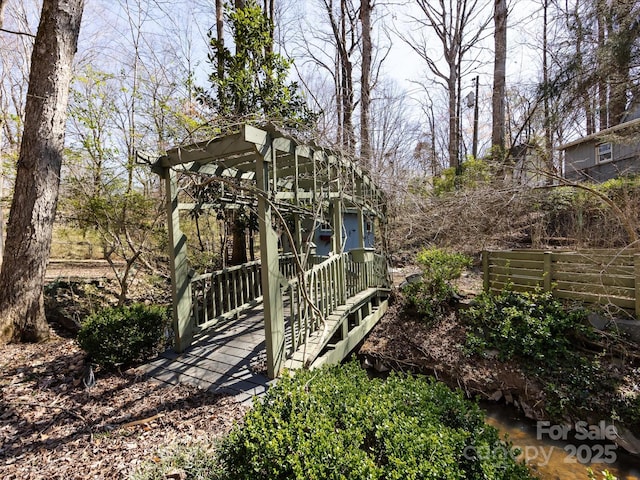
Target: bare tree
<point x="34" y="203"/>
<point x="366" y="6"/>
<point x="458" y="26"/>
<point x="344" y="29"/>
<point x="499" y="76"/>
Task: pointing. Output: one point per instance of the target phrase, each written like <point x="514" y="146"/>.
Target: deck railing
<point x="230" y="291"/>
<point x="324" y="288"/>
<point x="328" y="286"/>
<point x="226" y="293"/>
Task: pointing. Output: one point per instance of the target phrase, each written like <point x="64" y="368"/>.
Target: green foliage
<point x="534" y="326"/>
<point x="541" y="335"/>
<point x="336" y="423"/>
<point x="120" y="336"/>
<point x="254" y="79"/>
<point x="606" y="475"/>
<point x="472" y="173"/>
<point x="432" y="295"/>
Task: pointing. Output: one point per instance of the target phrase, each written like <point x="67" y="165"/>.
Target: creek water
<point x="555" y="454"/>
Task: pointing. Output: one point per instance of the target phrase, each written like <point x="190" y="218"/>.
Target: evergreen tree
<point x="252" y="84"/>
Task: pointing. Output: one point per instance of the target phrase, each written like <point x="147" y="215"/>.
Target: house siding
<point x="580" y="162"/>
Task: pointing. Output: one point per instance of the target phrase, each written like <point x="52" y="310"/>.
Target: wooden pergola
<point x="282" y="176"/>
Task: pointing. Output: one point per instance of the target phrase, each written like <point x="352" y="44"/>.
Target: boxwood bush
<point x="120" y="336"/>
<point x="336" y="423"/>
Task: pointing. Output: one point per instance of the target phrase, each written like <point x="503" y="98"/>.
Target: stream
<point x="553" y="453"/>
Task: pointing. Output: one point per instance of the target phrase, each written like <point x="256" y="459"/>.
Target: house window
<point x="604" y="153"/>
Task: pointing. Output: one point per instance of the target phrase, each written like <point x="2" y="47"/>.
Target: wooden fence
<point x="606" y="277"/>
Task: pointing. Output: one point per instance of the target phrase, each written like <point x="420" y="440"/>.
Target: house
<point x="607" y="154"/>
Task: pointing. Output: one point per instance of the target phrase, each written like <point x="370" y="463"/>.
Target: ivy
<point x="536" y="330"/>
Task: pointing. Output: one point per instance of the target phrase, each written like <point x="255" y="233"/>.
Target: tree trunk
<point x="239" y="241"/>
<point x="347" y="82"/>
<point x="548" y="140"/>
<point x="220" y="51"/>
<point x="38" y="174"/>
<point x="622" y="37"/>
<point x="365" y="82"/>
<point x="1" y="212"/>
<point x="453" y="119"/>
<point x="603" y="96"/>
<point x="499" y="72"/>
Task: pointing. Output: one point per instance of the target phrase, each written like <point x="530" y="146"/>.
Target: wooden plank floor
<point x="225" y="359"/>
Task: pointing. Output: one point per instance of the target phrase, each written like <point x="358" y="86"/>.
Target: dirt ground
<point x="52" y="426"/>
<point x="402" y="343"/>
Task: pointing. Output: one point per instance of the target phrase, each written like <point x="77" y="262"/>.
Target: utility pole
<point x="475" y="120"/>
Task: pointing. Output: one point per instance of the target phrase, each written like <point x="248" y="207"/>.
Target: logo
<point x="599" y="448"/>
<point x="587" y="445"/>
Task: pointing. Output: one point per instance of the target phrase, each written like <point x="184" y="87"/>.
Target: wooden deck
<point x="229" y="358"/>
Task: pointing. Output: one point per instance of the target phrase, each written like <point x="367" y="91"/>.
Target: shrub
<point x="336" y="423"/>
<point x="534" y="326"/>
<point x="120" y="336"/>
<point x="472" y="174"/>
<point x="545" y="338"/>
<point x="432" y="295"/>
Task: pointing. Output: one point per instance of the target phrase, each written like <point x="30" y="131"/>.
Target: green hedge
<point x="120" y="336"/>
<point x="336" y="423"/>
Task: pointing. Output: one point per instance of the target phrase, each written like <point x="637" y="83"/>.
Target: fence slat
<point x="596" y="279"/>
<point x="610" y="290"/>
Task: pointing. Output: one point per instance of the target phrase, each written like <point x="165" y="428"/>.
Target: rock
<point x="627" y="440"/>
<point x="366" y="363"/>
<point x="597" y="321"/>
<point x="528" y="411"/>
<point x="497" y="395"/>
<point x="176" y="475"/>
<point x="630" y="327"/>
<point x="508" y="398"/>
<point x="380" y="367"/>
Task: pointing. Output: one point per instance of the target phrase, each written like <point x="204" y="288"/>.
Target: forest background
<point x="396" y="84"/>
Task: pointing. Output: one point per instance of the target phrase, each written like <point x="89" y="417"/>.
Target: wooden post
<point x="361" y="242"/>
<point x="547" y="274"/>
<point x="485" y="270"/>
<point x="337" y="226"/>
<point x="270" y="269"/>
<point x="180" y="272"/>
<point x="636" y="269"/>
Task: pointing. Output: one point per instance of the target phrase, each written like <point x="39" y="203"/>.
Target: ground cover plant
<point x="556" y="346"/>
